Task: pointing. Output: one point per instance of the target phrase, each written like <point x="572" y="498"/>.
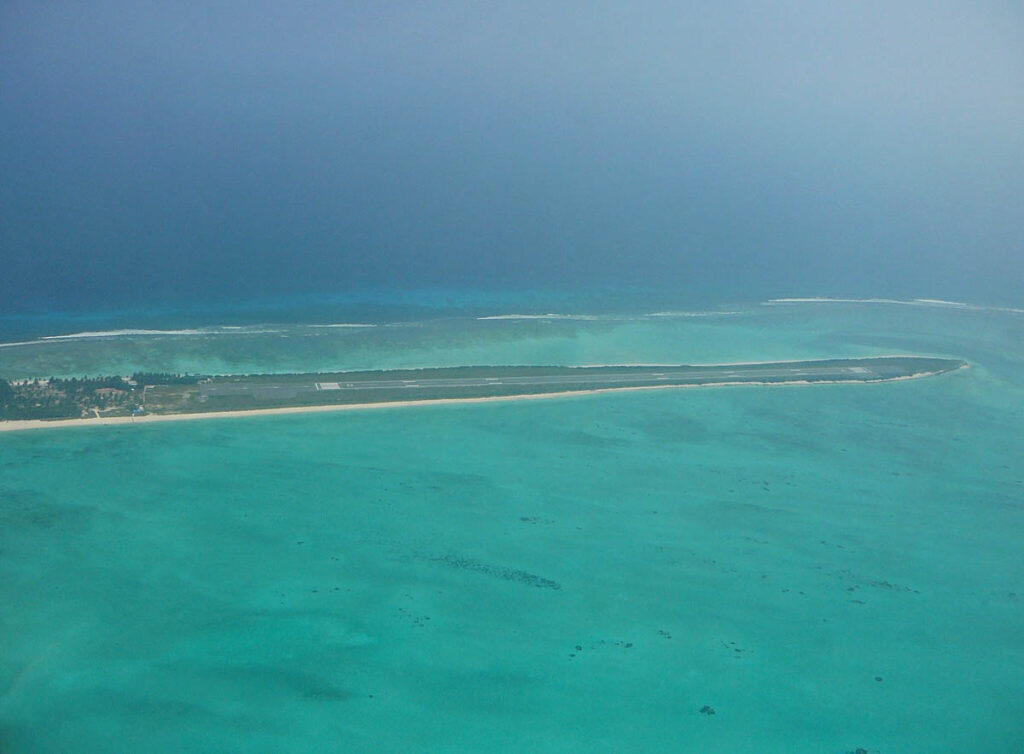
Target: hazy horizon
<point x="260" y="213"/>
<point x="196" y="154"/>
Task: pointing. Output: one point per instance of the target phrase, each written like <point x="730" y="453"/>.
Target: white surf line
<point x="933" y="302"/>
<point x="552" y="316"/>
<point x="19" y="425"/>
<point x="611" y="317"/>
<point x="111" y="334"/>
<point x="687" y="314"/>
<point x="344" y="325"/>
<point x="118" y="334"/>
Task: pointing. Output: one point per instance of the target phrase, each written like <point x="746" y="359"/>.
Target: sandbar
<point x="30" y="424"/>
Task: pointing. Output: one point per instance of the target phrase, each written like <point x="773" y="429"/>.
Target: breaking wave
<point x="935" y="302"/>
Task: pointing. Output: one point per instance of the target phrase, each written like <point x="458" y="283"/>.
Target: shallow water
<point x="579" y="574"/>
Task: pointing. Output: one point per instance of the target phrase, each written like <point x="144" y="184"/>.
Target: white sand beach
<point x="19" y="425"/>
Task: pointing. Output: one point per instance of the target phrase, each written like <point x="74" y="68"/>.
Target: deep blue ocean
<point x="47" y="316"/>
<point x="261" y="187"/>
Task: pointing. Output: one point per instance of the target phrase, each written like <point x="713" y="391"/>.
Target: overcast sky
<point x="251" y="148"/>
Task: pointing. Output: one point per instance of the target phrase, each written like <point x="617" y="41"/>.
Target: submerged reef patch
<point x="500" y="572"/>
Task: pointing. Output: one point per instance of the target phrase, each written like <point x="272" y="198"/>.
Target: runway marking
<point x="576" y="380"/>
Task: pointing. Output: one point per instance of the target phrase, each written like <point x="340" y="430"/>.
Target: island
<point x="149" y="396"/>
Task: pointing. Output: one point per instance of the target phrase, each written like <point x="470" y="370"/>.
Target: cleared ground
<point x="229" y="393"/>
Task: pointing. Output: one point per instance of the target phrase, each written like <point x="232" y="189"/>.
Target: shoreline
<point x="23" y="425"/>
<point x="630" y="364"/>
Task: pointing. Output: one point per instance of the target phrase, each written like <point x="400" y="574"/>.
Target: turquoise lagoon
<point x="828" y="568"/>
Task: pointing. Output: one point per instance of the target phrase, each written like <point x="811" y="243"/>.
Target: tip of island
<point x="146" y="397"/>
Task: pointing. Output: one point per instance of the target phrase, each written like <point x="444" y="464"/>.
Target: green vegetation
<point x="168" y="393"/>
<point x="64" y="398"/>
<point x="6" y="393"/>
<point x="87" y="384"/>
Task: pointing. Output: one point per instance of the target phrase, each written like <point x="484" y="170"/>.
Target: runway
<point x="586" y="381"/>
<point x="262" y="395"/>
<point x="508" y="379"/>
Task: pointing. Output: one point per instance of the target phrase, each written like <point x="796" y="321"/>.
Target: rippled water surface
<point x="824" y="568"/>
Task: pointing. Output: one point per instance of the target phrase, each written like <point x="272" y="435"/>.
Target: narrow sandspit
<point x="24" y="425"/>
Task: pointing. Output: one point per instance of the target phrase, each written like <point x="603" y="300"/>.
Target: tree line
<point x="68" y="397"/>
